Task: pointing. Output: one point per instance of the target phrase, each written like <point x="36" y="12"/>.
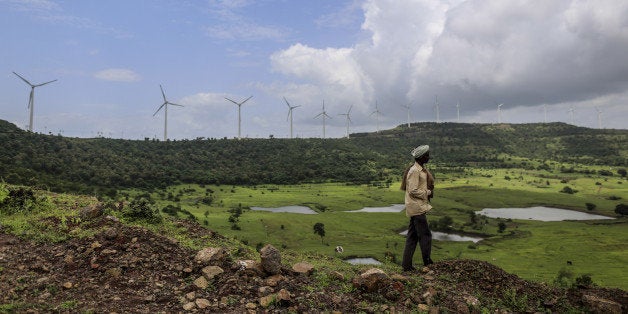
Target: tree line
<point x="101" y="165"/>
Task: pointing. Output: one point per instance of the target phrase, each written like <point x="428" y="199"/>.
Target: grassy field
<point x="531" y="249"/>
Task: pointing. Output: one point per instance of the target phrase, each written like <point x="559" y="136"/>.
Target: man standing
<point x="419" y="186"/>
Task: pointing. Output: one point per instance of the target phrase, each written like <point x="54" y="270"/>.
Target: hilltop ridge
<point x="95" y="165"/>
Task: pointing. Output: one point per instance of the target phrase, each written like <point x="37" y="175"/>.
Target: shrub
<point x="141" y="209"/>
<point x="568" y="190"/>
<point x="621" y="209"/>
<point x="590" y="206"/>
<point x="21" y="199"/>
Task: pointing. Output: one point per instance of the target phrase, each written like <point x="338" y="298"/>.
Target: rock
<point x="202" y="303"/>
<point x="190" y="296"/>
<point x="95" y="245"/>
<point x="400" y="278"/>
<point x="266" y="301"/>
<point x="251" y="306"/>
<point x="271" y="259"/>
<point x="371" y="280"/>
<point x="250" y="266"/>
<point x="283" y="295"/>
<point x="187" y="270"/>
<point x="337" y="275"/>
<point x="67" y="285"/>
<point x="201" y="282"/>
<point x="599" y="305"/>
<point x="273" y="281"/>
<point x="189" y="306"/>
<point x="110" y="233"/>
<point x="265" y="290"/>
<point x="303" y="268"/>
<point x="210" y="255"/>
<point x="112" y="218"/>
<point x="428" y="295"/>
<point x="423" y="308"/>
<point x="212" y="271"/>
<point x="91" y="211"/>
<point x="114" y="272"/>
<point x="471" y="300"/>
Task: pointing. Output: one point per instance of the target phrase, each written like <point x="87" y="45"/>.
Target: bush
<point x="621" y="209"/>
<point x="590" y="206"/>
<point x="141" y="209"/>
<point x="568" y="190"/>
<point x="17" y="200"/>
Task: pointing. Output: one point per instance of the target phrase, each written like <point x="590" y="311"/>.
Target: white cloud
<point x="117" y="75"/>
<point x="522" y="53"/>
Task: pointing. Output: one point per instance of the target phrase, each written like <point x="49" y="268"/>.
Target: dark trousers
<point x="418" y="232"/>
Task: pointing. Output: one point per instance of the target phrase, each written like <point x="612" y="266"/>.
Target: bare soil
<point x="126" y="269"/>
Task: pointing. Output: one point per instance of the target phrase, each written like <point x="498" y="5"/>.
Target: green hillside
<point x="98" y="165"/>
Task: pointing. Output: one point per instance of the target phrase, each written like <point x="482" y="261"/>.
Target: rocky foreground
<point x="123" y="269"/>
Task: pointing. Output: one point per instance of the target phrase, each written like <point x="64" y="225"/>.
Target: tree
<point x="621" y="172"/>
<point x="319" y="229"/>
<point x="501" y="227"/>
<point x="621" y="209"/>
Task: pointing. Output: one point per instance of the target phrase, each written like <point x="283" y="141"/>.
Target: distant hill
<point x="100" y="165"/>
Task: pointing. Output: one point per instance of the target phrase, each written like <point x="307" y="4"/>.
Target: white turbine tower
<point x="31" y="99"/>
<point x="571" y="112"/>
<point x="324" y="115"/>
<point x="348" y="118"/>
<point x="239" y="104"/>
<point x="165" y="106"/>
<point x="458" y="112"/>
<point x="437" y="110"/>
<point x="408" y="113"/>
<point x="599" y="117"/>
<point x="377" y="113"/>
<point x="499" y="113"/>
<point x="290" y="108"/>
<point x="545" y="113"/>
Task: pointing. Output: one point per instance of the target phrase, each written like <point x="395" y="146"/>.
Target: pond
<point x="287" y="209"/>
<point x="363" y="261"/>
<point x="442" y="236"/>
<point x="395" y="208"/>
<point x="539" y="213"/>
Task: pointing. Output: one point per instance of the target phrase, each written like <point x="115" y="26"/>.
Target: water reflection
<point x="363" y="261"/>
<point x="287" y="209"/>
<point x="539" y="213"/>
<point x="442" y="236"/>
<point x="395" y="208"/>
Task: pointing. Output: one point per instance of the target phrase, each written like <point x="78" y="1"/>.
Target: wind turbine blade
<point x="162" y="93"/>
<point x="318" y="115"/>
<point x="232" y="101"/>
<point x="23" y="79"/>
<point x="350" y="107"/>
<point x="246" y="100"/>
<point x="159" y="108"/>
<point x="289" y="113"/>
<point x="287" y="103"/>
<point x="42" y="84"/>
<point x="169" y="103"/>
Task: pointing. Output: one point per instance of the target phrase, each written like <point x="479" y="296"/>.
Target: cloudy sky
<point x="540" y="59"/>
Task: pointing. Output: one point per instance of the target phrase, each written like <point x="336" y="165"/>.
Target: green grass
<point x="533" y="250"/>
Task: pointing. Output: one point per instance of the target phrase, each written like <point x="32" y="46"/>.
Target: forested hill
<point x="99" y="165"/>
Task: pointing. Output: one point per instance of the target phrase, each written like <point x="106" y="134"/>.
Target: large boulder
<point x="211" y="256"/>
<point x="372" y="280"/>
<point x="271" y="259"/>
<point x="92" y="211"/>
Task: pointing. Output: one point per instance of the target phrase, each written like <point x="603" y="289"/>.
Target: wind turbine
<point x="290" y="108"/>
<point x="599" y="117"/>
<point x="239" y="104"/>
<point x="377" y="113"/>
<point x="408" y="112"/>
<point x="571" y="111"/>
<point x="437" y="110"/>
<point x="348" y="118"/>
<point x="31" y="99"/>
<point x="499" y="113"/>
<point x="324" y="115"/>
<point x="458" y="112"/>
<point x="165" y="106"/>
<point x="545" y="113"/>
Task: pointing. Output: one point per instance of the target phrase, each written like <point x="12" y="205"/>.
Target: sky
<point x="385" y="62"/>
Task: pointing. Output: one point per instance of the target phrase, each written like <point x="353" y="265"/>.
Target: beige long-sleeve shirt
<point x="419" y="186"/>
